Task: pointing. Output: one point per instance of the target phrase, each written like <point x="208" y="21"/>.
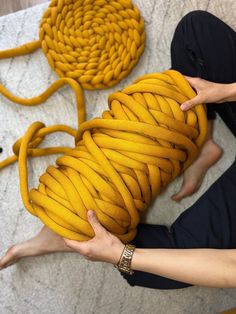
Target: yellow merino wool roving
<point x="120" y="162"/>
<point x="92" y="43"/>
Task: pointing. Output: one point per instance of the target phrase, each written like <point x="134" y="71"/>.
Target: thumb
<point x="75" y="245"/>
<point x="92" y="218"/>
<point x="191" y="103"/>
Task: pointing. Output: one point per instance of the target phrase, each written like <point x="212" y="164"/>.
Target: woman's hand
<point x="103" y="247"/>
<point x="209" y="92"/>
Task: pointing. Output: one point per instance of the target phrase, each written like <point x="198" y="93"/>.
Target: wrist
<point x="116" y="253"/>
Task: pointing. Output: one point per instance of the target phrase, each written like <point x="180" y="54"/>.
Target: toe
<point x="186" y="190"/>
<point x="10" y="257"/>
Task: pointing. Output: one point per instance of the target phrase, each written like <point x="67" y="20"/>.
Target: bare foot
<point x="194" y="175"/>
<point x="46" y="241"/>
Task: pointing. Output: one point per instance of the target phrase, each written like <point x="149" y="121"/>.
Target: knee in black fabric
<point x="197" y="14"/>
<point x="193" y="19"/>
<point x="197" y="17"/>
<point x="193" y="25"/>
<point x="186" y="56"/>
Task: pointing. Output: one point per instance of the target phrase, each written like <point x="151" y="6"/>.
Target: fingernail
<point x="183" y="107"/>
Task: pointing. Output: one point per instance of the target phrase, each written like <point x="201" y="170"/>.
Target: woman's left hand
<point x="103" y="247"/>
<point x="209" y="92"/>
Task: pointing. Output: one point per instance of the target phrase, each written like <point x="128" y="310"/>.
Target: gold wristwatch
<point x="124" y="263"/>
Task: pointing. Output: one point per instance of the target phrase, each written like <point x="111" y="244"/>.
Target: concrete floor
<point x="10" y="6"/>
<point x="67" y="283"/>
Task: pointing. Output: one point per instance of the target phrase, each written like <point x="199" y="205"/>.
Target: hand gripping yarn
<point x="120" y="161"/>
<point x="92" y="43"/>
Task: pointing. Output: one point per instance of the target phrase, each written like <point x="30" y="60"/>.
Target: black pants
<point x="202" y="46"/>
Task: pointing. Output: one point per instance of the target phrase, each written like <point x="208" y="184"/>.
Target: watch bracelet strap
<point x="124" y="264"/>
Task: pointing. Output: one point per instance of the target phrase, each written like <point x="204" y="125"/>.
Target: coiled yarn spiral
<point x="92" y="43"/>
<point x="120" y="161"/>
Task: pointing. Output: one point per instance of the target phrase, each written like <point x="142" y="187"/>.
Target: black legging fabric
<point x="202" y="46"/>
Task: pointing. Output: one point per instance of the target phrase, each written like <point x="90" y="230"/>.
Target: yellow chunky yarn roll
<point x="120" y="162"/>
<point x="92" y="43"/>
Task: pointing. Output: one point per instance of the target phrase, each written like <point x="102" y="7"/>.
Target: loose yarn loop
<point x="121" y="161"/>
<point x="94" y="43"/>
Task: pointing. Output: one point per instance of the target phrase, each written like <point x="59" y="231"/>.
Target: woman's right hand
<point x="209" y="92"/>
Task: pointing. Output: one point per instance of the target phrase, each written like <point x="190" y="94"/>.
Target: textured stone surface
<point x="67" y="283"/>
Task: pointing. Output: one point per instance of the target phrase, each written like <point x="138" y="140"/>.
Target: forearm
<point x="203" y="267"/>
<point x="228" y="92"/>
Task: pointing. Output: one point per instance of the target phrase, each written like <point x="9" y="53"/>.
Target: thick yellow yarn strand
<point x="120" y="162"/>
